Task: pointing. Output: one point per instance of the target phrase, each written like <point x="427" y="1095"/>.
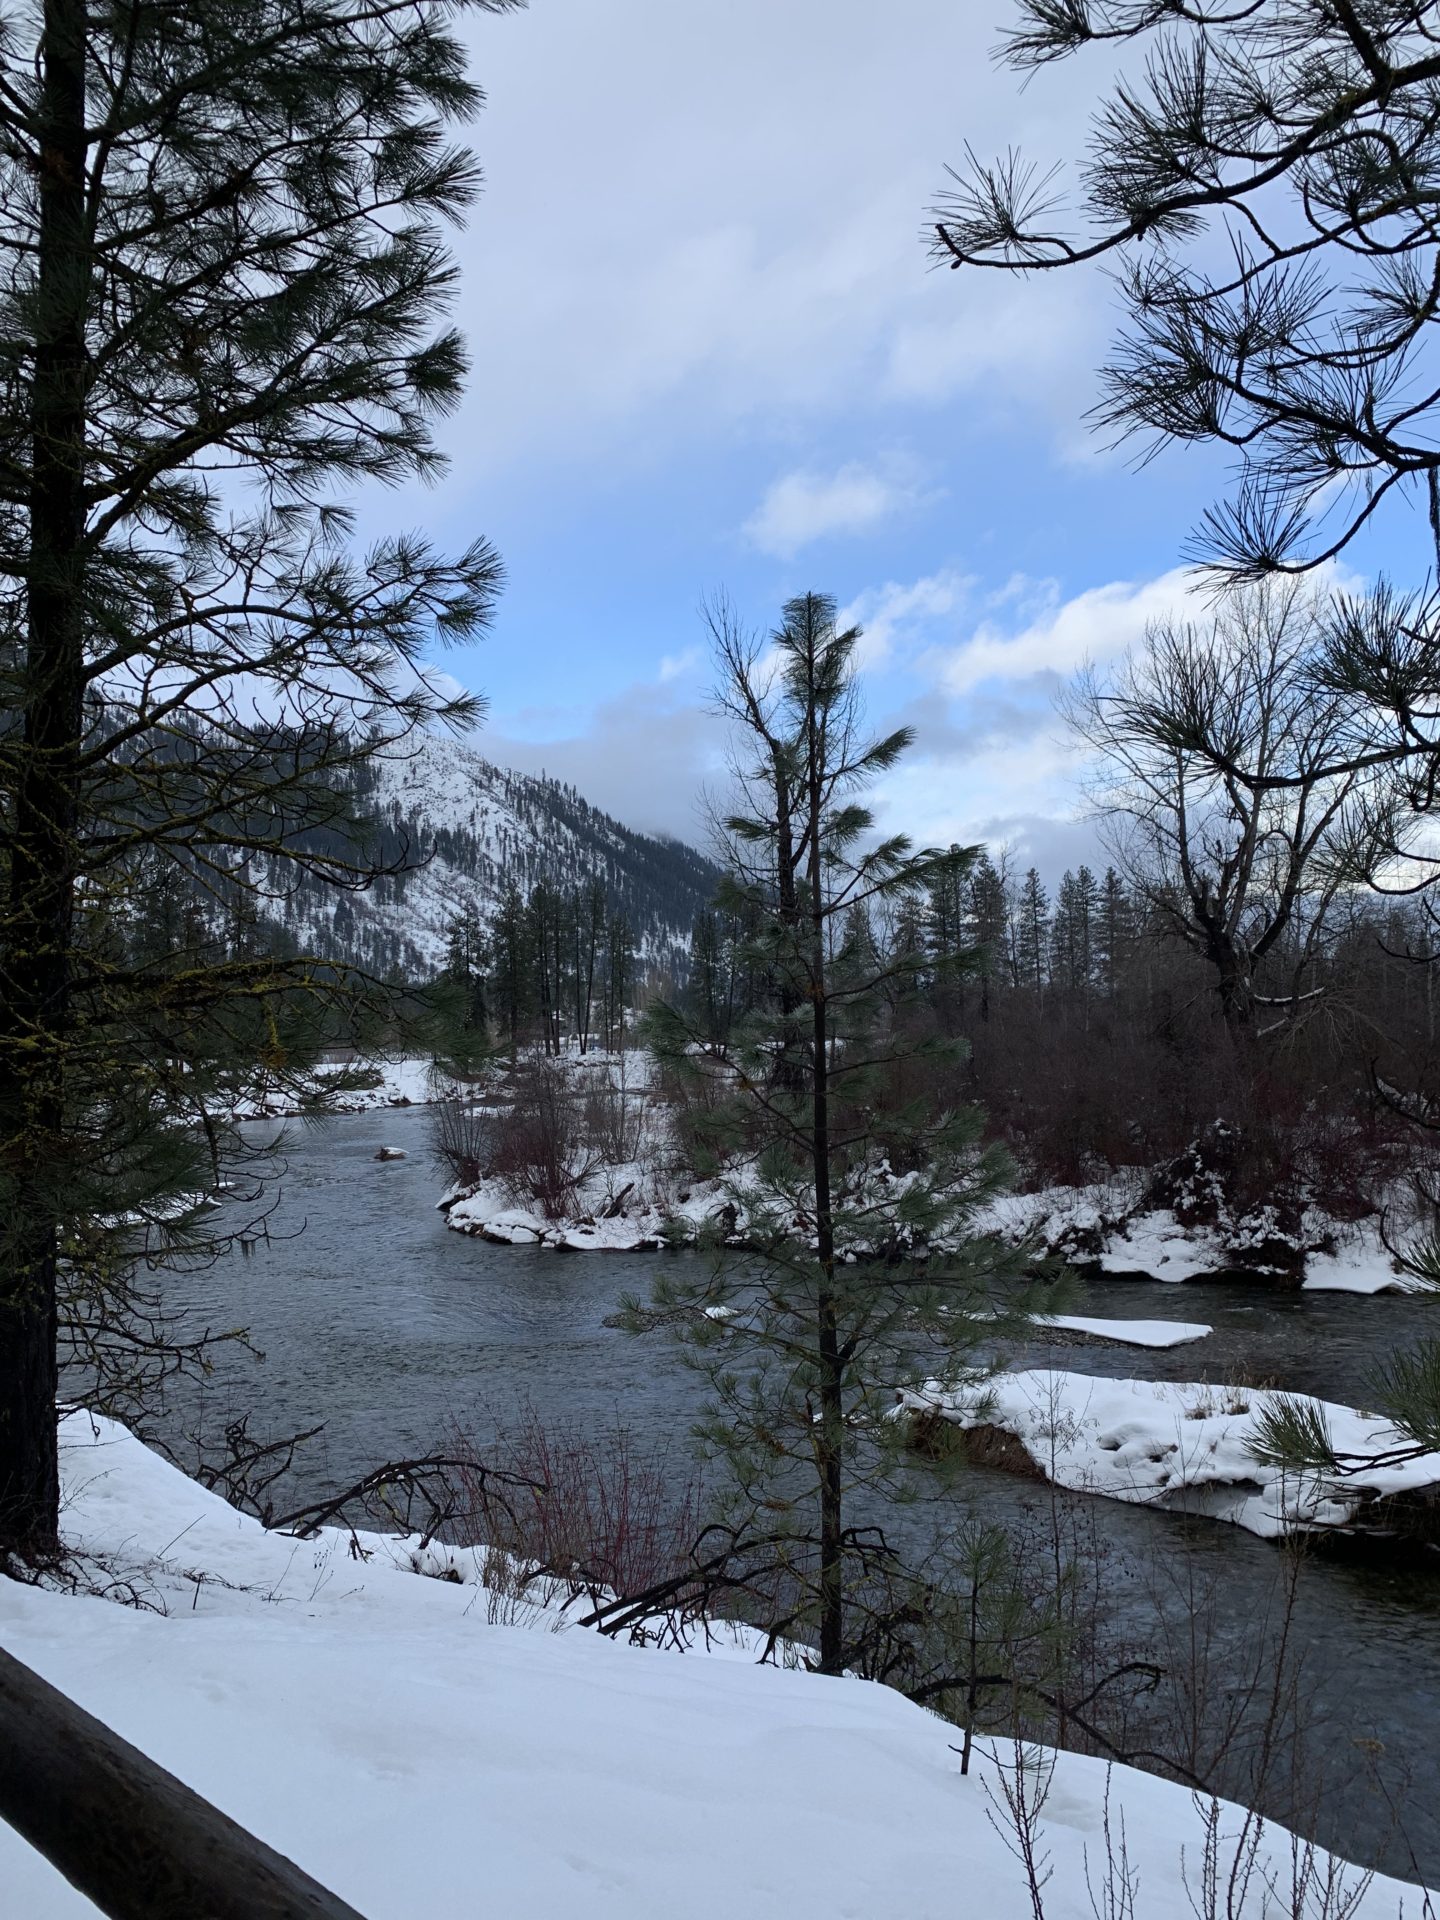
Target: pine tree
<point x="221" y="268"/>
<point x="1115" y="932"/>
<point x="512" y="993"/>
<point x="990" y="925"/>
<point x="948" y="904"/>
<point x="589" y="911"/>
<point x="620" y="955"/>
<point x="911" y="969"/>
<point x="707" y="998"/>
<point x="1073" y="931"/>
<point x="804" y="1338"/>
<point x="1032" y="939"/>
<point x="466" y="960"/>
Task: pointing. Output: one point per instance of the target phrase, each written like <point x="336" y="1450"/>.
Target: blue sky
<point x="711" y="354"/>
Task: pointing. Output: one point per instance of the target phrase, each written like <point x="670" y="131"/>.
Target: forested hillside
<point x="459" y="831"/>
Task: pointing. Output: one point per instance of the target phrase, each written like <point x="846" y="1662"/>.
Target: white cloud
<point x="676" y="666"/>
<point x="992" y="759"/>
<point x="802" y="507"/>
<point x="1098" y="624"/>
<point x="892" y="612"/>
<point x="686" y="275"/>
<point x="996" y="340"/>
<point x="644" y="756"/>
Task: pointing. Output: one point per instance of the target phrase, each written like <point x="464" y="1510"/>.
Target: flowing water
<point x="376" y="1319"/>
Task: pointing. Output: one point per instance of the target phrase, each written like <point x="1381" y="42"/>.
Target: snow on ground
<point x="397" y="1083"/>
<point x="1107" y="1224"/>
<point x="629" y="1205"/>
<point x="1156" y="1244"/>
<point x="1362" y="1263"/>
<point x="642" y="1219"/>
<point x="418" y="1756"/>
<point x="1183" y="1445"/>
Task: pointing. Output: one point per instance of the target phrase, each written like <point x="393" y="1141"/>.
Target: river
<point x="375" y="1319"/>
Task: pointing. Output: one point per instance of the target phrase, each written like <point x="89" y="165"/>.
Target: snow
<point x="1332" y="1256"/>
<point x="1156" y="1244"/>
<point x="437" y="790"/>
<point x="1184" y="1445"/>
<point x="401" y="1082"/>
<point x="645" y="1220"/>
<point x="1130" y="1333"/>
<point x="1362" y="1264"/>
<point x="648" y="1202"/>
<point x="417" y="1756"/>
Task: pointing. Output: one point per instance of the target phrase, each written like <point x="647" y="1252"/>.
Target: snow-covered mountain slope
<point x="471" y="828"/>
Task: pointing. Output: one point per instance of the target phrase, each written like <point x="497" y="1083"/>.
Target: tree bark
<point x="35" y="978"/>
<point x="831" y="1461"/>
<point x="1237" y="1002"/>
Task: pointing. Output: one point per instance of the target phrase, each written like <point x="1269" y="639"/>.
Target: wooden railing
<point x="130" y="1836"/>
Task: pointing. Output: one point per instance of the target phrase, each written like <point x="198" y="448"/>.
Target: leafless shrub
<point x="601" y="1512"/>
<point x="1017" y="1799"/>
<point x="515" y="1594"/>
<point x="614" y="1122"/>
<point x="1217" y="1886"/>
<point x="539" y="1147"/>
<point x="462" y="1139"/>
<point x="1113" y="1893"/>
<point x="429" y="1496"/>
<point x="1315" y="1885"/>
<point x="1234" y="1710"/>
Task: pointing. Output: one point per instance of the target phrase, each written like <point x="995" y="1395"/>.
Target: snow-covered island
<point x="1188" y="1446"/>
<point x="422" y="1743"/>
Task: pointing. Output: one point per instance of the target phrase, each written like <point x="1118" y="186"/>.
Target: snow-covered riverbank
<point x="633" y="1207"/>
<point x="1182" y="1445"/>
<point x="352" y="1086"/>
<point x="1172" y="1223"/>
<point x="417" y="1752"/>
<point x="1108" y="1229"/>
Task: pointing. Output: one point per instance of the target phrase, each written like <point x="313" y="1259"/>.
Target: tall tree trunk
<point x="34" y="1017"/>
<point x="1237" y="992"/>
<point x="831" y="1437"/>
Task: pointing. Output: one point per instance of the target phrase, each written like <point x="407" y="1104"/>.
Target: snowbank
<point x="1172" y="1223"/>
<point x="1331" y="1256"/>
<point x="418" y="1757"/>
<point x="1106" y="1228"/>
<point x="617" y="1212"/>
<point x="397" y="1083"/>
<point x="639" y="1205"/>
<point x="1176" y="1444"/>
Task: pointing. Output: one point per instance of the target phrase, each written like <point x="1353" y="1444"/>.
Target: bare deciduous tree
<point x="1219" y="787"/>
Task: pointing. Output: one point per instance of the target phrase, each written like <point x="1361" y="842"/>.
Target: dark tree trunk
<point x="831" y="1436"/>
<point x="1236" y="989"/>
<point x="36" y="963"/>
